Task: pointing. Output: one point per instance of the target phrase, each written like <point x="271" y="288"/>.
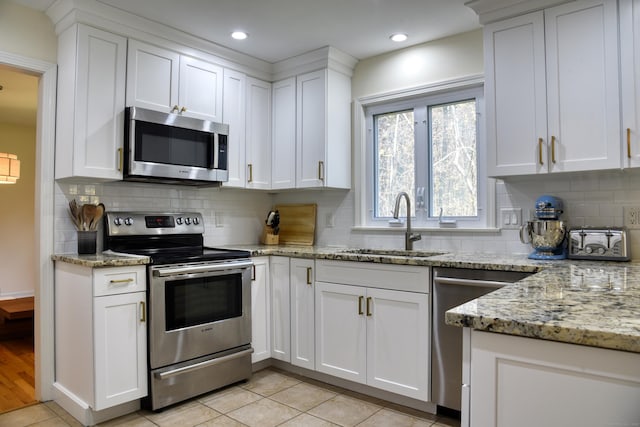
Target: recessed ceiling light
<point x="239" y="35"/>
<point x="398" y="37"/>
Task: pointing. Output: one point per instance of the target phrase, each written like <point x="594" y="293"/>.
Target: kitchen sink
<point x="392" y="252"/>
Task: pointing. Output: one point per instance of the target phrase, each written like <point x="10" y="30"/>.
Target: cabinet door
<point x="341" y="331"/>
<point x="258" y="134"/>
<point x="260" y="310"/>
<point x="311" y="129"/>
<point x="582" y="85"/>
<point x="120" y="337"/>
<point x="233" y="114"/>
<point x="398" y="342"/>
<point x="283" y="160"/>
<point x="630" y="80"/>
<point x="152" y="77"/>
<point x="280" y="317"/>
<point x="200" y="90"/>
<point x="302" y="313"/>
<point x="90" y="103"/>
<point x="515" y="91"/>
<point x="512" y="378"/>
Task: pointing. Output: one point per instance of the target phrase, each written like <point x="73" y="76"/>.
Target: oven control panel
<point x="150" y="223"/>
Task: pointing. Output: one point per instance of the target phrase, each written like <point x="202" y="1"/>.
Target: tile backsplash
<point x="234" y="216"/>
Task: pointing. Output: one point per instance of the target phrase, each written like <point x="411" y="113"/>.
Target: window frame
<point x="437" y="94"/>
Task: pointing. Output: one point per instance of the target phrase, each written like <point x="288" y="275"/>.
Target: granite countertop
<point x="579" y="302"/>
<point x="588" y="303"/>
<point x="103" y="259"/>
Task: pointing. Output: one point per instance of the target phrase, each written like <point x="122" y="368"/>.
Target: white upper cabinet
<point x="90" y="104"/>
<point x="323" y="130"/>
<point x="515" y="91"/>
<point x="233" y="114"/>
<point x="258" y="134"/>
<point x="163" y="80"/>
<point x="564" y="58"/>
<point x="200" y="90"/>
<point x="630" y="74"/>
<point x="283" y="159"/>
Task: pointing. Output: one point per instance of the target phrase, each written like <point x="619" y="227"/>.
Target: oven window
<point x="192" y="302"/>
<point x="173" y="146"/>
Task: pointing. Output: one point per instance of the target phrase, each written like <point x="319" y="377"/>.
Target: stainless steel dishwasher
<point x="452" y="287"/>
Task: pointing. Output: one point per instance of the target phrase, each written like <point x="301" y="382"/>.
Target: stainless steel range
<point x="199" y="302"/>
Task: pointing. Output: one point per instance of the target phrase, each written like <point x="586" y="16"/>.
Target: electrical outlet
<point x="510" y="217"/>
<point x="330" y="220"/>
<point x="632" y="216"/>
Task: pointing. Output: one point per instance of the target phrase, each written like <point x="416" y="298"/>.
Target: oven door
<point x="198" y="309"/>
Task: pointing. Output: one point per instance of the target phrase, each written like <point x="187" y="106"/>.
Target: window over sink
<point x="431" y="147"/>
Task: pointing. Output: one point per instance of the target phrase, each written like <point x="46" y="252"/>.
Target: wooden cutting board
<point x="297" y="224"/>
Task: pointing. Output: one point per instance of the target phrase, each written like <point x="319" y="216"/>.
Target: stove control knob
<point x="196" y="221"/>
<point x="187" y="221"/>
<point x="117" y="221"/>
<point x="601" y="251"/>
<point x="179" y="220"/>
<point x="588" y="249"/>
<point x="128" y="221"/>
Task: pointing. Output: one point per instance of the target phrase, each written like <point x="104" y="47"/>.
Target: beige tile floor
<point x="270" y="398"/>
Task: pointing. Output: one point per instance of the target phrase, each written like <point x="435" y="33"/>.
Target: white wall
<point x="444" y="59"/>
<point x="17" y="237"/>
<point x="27" y="32"/>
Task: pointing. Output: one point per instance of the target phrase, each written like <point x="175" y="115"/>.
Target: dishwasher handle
<point x="469" y="282"/>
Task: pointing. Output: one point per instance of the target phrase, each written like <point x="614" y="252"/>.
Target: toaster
<point x="599" y="243"/>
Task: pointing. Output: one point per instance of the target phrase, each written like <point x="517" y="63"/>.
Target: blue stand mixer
<point x="547" y="234"/>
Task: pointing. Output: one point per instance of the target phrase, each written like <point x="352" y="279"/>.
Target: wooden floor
<point x="17" y="383"/>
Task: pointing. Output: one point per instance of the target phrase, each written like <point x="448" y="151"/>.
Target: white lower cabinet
<point x="526" y="382"/>
<point x="280" y="317"/>
<point x="260" y="310"/>
<point x="374" y="336"/>
<point x="101" y="337"/>
<point x="302" y="313"/>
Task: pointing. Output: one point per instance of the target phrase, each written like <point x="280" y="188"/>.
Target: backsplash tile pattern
<point x="235" y="216"/>
<point x="231" y="216"/>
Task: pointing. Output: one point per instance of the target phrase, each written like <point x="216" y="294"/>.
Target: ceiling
<point x="280" y="29"/>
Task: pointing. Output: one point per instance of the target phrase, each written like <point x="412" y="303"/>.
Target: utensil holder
<point x="87" y="241"/>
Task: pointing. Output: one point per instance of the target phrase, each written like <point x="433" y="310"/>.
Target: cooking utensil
<point x="88" y="213"/>
<point x="74" y="213"/>
<point x="93" y="224"/>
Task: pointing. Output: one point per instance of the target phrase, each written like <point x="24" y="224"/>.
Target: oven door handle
<point x="201" y="268"/>
<point x="200" y="365"/>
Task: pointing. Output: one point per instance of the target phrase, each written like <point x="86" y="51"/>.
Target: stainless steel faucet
<point x="409" y="237"/>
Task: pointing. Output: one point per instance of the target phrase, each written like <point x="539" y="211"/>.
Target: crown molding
<point x="495" y="10"/>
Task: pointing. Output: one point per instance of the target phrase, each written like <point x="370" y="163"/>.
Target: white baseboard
<point x="14" y="295"/>
<point x="82" y="412"/>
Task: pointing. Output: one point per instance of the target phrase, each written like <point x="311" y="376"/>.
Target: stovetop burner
<point x="167" y="238"/>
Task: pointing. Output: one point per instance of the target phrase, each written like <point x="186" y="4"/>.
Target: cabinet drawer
<point x="119" y="280"/>
<point x="385" y="276"/>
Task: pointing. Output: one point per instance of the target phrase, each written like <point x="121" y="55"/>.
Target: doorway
<point x="43" y="218"/>
<point x="18" y="121"/>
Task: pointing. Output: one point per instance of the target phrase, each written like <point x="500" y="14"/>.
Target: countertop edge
<point x="100" y="260"/>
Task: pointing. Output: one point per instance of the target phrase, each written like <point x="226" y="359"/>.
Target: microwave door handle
<point x="216" y="151"/>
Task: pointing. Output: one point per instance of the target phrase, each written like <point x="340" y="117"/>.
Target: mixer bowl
<point x="546" y="235"/>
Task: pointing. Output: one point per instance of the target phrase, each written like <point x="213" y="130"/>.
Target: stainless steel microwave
<point x="170" y="148"/>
